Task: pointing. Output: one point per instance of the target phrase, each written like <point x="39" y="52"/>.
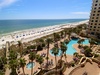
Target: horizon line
<point x="45" y="19"/>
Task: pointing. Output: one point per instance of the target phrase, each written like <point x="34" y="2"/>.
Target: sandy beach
<point x="32" y="34"/>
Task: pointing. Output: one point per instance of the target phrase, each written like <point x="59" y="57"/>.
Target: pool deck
<point x="91" y="69"/>
<point x="28" y="71"/>
<point x="69" y="58"/>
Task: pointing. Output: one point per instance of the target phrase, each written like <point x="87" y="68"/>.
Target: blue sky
<point x="44" y="9"/>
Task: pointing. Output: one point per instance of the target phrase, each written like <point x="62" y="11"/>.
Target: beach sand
<point x="32" y="34"/>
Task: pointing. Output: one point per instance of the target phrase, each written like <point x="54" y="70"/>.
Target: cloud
<point x="4" y="3"/>
<point x="81" y="13"/>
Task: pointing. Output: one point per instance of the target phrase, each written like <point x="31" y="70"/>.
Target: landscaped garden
<point x="49" y="55"/>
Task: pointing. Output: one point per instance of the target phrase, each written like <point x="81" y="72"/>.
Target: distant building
<point x="94" y="22"/>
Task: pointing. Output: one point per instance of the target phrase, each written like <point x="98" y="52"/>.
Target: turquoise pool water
<point x="70" y="49"/>
<point x="58" y="53"/>
<point x="30" y="65"/>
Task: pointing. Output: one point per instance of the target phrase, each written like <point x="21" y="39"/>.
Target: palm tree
<point x="62" y="34"/>
<point x="79" y="42"/>
<point x="66" y="41"/>
<point x="65" y="30"/>
<point x="12" y="55"/>
<point x="56" y="37"/>
<point x="63" y="49"/>
<point x="48" y="41"/>
<point x="69" y="33"/>
<point x="88" y="52"/>
<point x="22" y="63"/>
<point x="55" y="51"/>
<point x="3" y="62"/>
<point x="32" y="56"/>
<point x="20" y="48"/>
<point x="40" y="60"/>
<point x="1" y="73"/>
<point x="13" y="62"/>
<point x="75" y="54"/>
<point x="41" y="41"/>
<point x="92" y="42"/>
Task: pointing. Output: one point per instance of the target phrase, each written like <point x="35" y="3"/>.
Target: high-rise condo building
<point x="94" y="22"/>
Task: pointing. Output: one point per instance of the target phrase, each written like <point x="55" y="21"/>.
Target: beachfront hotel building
<point x="94" y="22"/>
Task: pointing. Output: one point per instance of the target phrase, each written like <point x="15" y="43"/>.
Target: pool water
<point x="86" y="42"/>
<point x="70" y="48"/>
<point x="30" y="65"/>
<point x="57" y="54"/>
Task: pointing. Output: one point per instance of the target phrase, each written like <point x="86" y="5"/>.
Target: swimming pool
<point x="70" y="49"/>
<point x="30" y="65"/>
<point x="57" y="54"/>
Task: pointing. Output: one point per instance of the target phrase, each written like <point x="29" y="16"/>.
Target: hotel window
<point x="94" y="11"/>
<point x="95" y="23"/>
<point x="98" y="10"/>
<point x="90" y="26"/>
<point x="96" y="20"/>
<point x="96" y="17"/>
<point x="94" y="8"/>
<point x="97" y="14"/>
<point x="92" y="21"/>
<point x="94" y="26"/>
<point x="99" y="7"/>
<point x="93" y="14"/>
<point x="96" y="0"/>
<point x="93" y="29"/>
<point x="95" y="4"/>
<point x="92" y="17"/>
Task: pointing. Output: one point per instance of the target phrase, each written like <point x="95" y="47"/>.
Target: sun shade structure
<point x="74" y="35"/>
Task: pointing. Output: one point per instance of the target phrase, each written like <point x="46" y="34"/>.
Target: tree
<point x="56" y="37"/>
<point x="41" y="41"/>
<point x="66" y="41"/>
<point x="48" y="41"/>
<point x="75" y="54"/>
<point x="40" y="60"/>
<point x="55" y="51"/>
<point x="92" y="42"/>
<point x="69" y="33"/>
<point x="1" y="73"/>
<point x="63" y="48"/>
<point x="13" y="62"/>
<point x="39" y="47"/>
<point x="3" y="62"/>
<point x="88" y="52"/>
<point x="65" y="30"/>
<point x="22" y="63"/>
<point x="80" y="41"/>
<point x="32" y="56"/>
<point x="12" y="55"/>
<point x="62" y="34"/>
<point x="20" y="48"/>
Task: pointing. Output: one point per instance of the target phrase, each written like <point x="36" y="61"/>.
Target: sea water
<point x="7" y="26"/>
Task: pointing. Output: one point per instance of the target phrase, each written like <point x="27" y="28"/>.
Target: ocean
<point x="8" y="26"/>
